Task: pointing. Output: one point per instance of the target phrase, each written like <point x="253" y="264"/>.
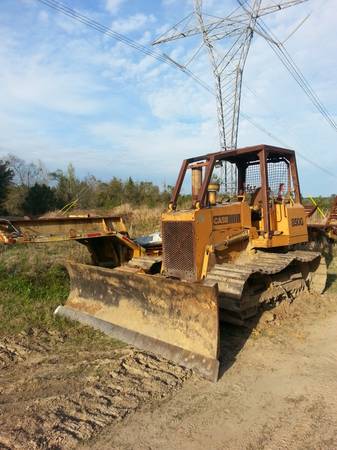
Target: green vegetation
<point x="33" y="282"/>
<point x="32" y="190"/>
<point x="28" y="300"/>
<point x="39" y="199"/>
<point x="324" y="203"/>
<point x="6" y="176"/>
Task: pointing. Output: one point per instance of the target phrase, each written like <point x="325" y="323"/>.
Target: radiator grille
<point x="178" y="249"/>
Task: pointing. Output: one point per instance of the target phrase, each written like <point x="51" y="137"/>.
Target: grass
<point x="28" y="300"/>
<point x="141" y="220"/>
<point x="33" y="283"/>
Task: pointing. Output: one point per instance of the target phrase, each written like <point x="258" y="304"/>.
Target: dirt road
<point x="278" y="390"/>
<point x="281" y="393"/>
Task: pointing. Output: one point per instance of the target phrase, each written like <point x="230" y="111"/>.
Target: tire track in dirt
<point x="17" y="348"/>
<point x="55" y="394"/>
<point x="53" y="398"/>
<point x="10" y="353"/>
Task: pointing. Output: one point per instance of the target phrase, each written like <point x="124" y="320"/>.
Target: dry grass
<point x="141" y="220"/>
<point x="316" y="218"/>
<point x="32" y="259"/>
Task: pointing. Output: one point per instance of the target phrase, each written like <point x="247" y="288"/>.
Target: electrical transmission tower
<point x="227" y="60"/>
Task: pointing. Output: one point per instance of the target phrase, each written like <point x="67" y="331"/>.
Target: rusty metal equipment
<point x="322" y="228"/>
<point x="222" y="259"/>
<point x="106" y="237"/>
<point x="332" y="221"/>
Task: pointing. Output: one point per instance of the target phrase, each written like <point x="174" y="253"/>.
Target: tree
<point x="40" y="198"/>
<point x="88" y="194"/>
<point x="32" y="190"/>
<point x="27" y="174"/>
<point x="131" y="192"/>
<point x="110" y="194"/>
<point x="14" y="200"/>
<point x="68" y="187"/>
<point x="6" y="177"/>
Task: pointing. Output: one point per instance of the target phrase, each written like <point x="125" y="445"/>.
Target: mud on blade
<point x="175" y="319"/>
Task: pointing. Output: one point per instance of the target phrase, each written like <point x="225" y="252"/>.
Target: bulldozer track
<point x="274" y="271"/>
<point x="266" y="277"/>
<point x="53" y="399"/>
<point x="14" y="350"/>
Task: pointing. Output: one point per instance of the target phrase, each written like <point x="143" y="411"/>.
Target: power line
<point x="284" y="144"/>
<point x="286" y="59"/>
<point x="226" y="63"/>
<point x="284" y="56"/>
<point x="63" y="9"/>
<point x="280" y="141"/>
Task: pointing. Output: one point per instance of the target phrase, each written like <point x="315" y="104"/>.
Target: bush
<point x="39" y="199"/>
<point x="6" y="176"/>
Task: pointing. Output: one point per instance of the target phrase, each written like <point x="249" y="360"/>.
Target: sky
<point x="69" y="94"/>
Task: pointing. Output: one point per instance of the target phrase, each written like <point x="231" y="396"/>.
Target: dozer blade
<point x="174" y="319"/>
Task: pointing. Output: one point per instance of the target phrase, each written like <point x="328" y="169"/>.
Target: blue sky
<point x="70" y="94"/>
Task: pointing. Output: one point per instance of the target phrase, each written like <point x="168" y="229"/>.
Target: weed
<point x="33" y="283"/>
<point x="141" y="220"/>
<point x="28" y="301"/>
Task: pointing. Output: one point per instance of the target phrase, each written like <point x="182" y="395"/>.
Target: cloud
<point x="69" y="25"/>
<point x="33" y="82"/>
<point x="162" y="147"/>
<point x="183" y="102"/>
<point x="43" y="17"/>
<point x="74" y="95"/>
<point x="189" y="3"/>
<point x="132" y="23"/>
<point x="113" y="6"/>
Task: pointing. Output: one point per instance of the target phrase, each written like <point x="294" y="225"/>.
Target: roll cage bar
<point x="242" y="158"/>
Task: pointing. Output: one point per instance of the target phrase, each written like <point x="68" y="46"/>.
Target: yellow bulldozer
<point x="222" y="259"/>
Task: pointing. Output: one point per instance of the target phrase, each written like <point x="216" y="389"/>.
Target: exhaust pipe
<point x="196" y="181"/>
<point x="213" y="188"/>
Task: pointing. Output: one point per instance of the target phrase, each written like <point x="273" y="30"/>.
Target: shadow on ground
<point x="331" y="280"/>
<point x="232" y="339"/>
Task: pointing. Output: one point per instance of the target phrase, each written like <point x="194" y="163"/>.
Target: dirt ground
<point x="278" y="390"/>
<point x="53" y="397"/>
<point x="280" y="393"/>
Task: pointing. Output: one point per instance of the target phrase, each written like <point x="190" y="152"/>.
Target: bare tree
<point x="27" y="174"/>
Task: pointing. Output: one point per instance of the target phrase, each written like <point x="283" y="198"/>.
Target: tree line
<point x="30" y="189"/>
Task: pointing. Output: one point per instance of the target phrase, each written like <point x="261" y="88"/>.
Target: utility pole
<point x="236" y="31"/>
